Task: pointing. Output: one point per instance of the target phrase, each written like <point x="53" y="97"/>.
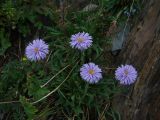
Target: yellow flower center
<point x="126" y="72"/>
<point x="80" y="40"/>
<point x="36" y="50"/>
<point x="91" y="71"/>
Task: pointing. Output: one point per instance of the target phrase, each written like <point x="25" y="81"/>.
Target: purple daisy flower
<point x="91" y="73"/>
<point x="81" y="41"/>
<point x="126" y="74"/>
<point x="36" y="50"/>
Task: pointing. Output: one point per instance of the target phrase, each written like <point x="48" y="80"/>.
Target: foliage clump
<point x="52" y="87"/>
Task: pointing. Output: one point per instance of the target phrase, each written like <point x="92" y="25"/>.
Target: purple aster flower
<point x="91" y="73"/>
<point x="126" y="74"/>
<point x="36" y="50"/>
<point x="81" y="41"/>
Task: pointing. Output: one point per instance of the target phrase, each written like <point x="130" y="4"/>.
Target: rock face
<point x="142" y="49"/>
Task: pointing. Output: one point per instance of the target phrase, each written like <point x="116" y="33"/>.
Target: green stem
<point x="82" y="57"/>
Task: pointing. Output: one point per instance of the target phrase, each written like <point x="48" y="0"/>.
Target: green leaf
<point x="4" y="42"/>
<point x="29" y="109"/>
<point x="34" y="88"/>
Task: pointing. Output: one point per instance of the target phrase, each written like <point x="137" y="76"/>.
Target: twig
<point x="20" y="49"/>
<point x="48" y="57"/>
<point x="8" y="102"/>
<point x="87" y="113"/>
<point x="65" y="115"/>
<point x="54" y="76"/>
<point x="56" y="87"/>
<point x="101" y="116"/>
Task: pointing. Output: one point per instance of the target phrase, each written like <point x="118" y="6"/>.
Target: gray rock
<point x="120" y="37"/>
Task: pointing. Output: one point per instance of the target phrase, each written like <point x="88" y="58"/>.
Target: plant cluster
<point x="44" y="76"/>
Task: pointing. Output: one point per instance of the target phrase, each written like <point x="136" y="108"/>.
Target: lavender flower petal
<point x="37" y="50"/>
<point x="126" y="74"/>
<point x="81" y="41"/>
<point x="91" y="73"/>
